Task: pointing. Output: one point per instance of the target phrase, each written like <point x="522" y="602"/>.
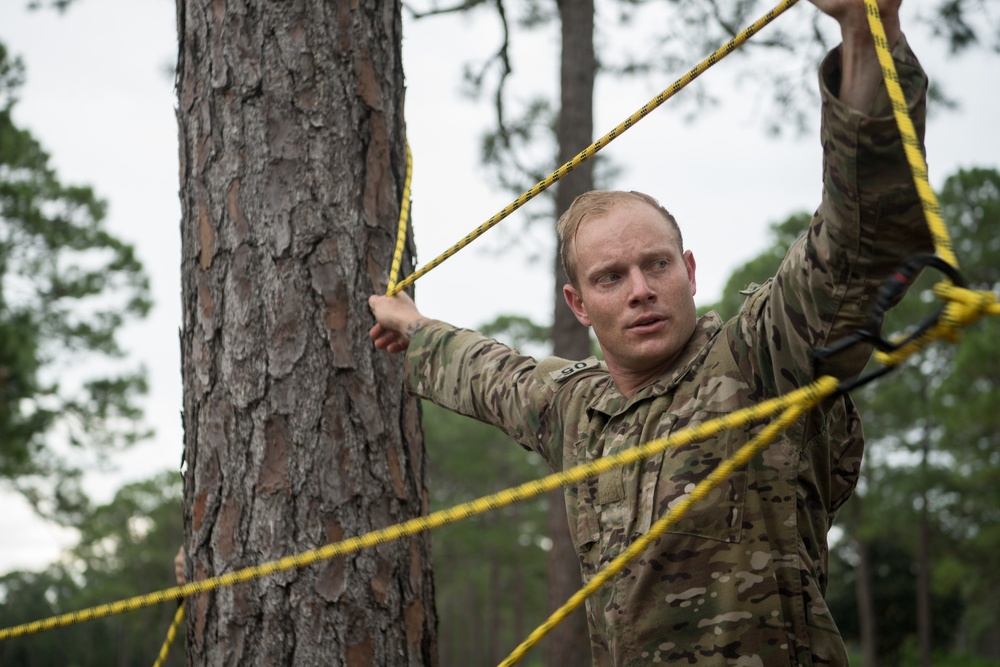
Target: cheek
<point x="599" y="319"/>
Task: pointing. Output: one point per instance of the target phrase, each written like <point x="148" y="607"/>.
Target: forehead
<point x="627" y="223"/>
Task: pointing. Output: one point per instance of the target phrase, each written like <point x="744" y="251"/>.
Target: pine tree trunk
<point x="297" y="433"/>
<point x="924" y="620"/>
<point x="569" y="642"/>
<point x="867" y="623"/>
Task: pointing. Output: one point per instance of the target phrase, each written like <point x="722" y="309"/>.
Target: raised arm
<point x="869" y="221"/>
<point x="861" y="74"/>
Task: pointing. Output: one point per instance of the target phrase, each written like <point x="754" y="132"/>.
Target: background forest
<point x="914" y="557"/>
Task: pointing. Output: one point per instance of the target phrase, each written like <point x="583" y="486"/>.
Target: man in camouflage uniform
<point x="740" y="578"/>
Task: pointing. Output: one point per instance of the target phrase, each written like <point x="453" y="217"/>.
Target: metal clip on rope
<point x="889" y="294"/>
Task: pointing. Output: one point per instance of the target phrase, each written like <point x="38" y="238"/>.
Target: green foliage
<point x="490" y="570"/>
<point x="520" y="333"/>
<point x="126" y="549"/>
<point x="893" y="573"/>
<point x="66" y="288"/>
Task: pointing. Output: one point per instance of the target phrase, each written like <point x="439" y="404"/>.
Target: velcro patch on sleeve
<point x="571" y="369"/>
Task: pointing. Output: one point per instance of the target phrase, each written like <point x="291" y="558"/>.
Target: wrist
<point x="856" y="32"/>
<point x="861" y="72"/>
<point x="415" y="325"/>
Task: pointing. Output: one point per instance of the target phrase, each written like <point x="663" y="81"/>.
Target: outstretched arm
<point x="394" y="316"/>
<point x="861" y="72"/>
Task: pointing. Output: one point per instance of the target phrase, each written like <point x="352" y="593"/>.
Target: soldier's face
<point x="635" y="288"/>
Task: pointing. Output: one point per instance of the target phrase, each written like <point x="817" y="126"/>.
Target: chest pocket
<point x="622" y="504"/>
<point x="717" y="516"/>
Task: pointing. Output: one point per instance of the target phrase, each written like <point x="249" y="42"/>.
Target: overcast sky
<point x="99" y="100"/>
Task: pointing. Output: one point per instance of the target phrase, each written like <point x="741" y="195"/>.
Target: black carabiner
<point x="890" y="292"/>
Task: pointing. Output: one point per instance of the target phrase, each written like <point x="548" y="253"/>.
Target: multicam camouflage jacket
<point x="740" y="579"/>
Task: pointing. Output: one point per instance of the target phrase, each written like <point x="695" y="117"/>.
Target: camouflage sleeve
<point x="869" y="221"/>
<point x="476" y="376"/>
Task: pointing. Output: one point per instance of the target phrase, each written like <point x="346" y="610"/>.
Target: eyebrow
<point x="668" y="250"/>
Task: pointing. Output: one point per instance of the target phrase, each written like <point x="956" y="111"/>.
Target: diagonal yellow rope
<point x="591" y="150"/>
<point x="171" y="635"/>
<point x="808" y="397"/>
<point x="531" y="489"/>
<point x="963" y="306"/>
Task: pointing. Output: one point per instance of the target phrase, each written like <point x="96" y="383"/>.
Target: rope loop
<point x="963" y="307"/>
<point x="889" y="293"/>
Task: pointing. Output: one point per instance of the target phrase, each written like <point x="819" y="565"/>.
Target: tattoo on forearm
<point x="415" y="326"/>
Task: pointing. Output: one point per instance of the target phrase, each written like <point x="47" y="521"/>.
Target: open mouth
<point x="646" y="322"/>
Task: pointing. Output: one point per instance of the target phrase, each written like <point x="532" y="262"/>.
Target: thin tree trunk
<point x="924" y="565"/>
<point x="866" y="602"/>
<point x="297" y="433"/>
<point x="569" y="642"/>
<point x="496" y="593"/>
<point x="575" y="130"/>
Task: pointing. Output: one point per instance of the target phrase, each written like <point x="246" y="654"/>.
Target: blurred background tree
<point x="67" y="398"/>
<point x="126" y="548"/>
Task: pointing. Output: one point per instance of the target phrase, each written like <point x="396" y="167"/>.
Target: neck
<point x="630" y="380"/>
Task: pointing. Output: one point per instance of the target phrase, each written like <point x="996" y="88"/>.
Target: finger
<point x="385" y="339"/>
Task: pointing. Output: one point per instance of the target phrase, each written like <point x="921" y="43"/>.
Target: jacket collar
<point x="612" y="402"/>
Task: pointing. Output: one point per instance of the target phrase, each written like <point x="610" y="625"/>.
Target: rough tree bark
<point x="297" y="433"/>
<point x="569" y="642"/>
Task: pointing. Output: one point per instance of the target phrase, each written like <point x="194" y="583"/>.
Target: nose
<point x="639" y="289"/>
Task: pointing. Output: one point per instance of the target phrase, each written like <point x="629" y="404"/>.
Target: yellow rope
<point x="591" y="150"/>
<point x="404" y="216"/>
<point x="964" y="306"/>
<point x="437" y="519"/>
<point x="809" y="396"/>
<point x="171" y="635"/>
<point x="911" y="144"/>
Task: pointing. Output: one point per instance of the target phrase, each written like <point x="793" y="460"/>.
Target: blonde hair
<point x="594" y="204"/>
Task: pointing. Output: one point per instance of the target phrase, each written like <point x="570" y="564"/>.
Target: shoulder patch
<point x="573" y="368"/>
<point x="757" y="298"/>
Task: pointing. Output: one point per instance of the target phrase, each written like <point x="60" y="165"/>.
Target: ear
<point x="690" y="264"/>
<point x="575" y="302"/>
